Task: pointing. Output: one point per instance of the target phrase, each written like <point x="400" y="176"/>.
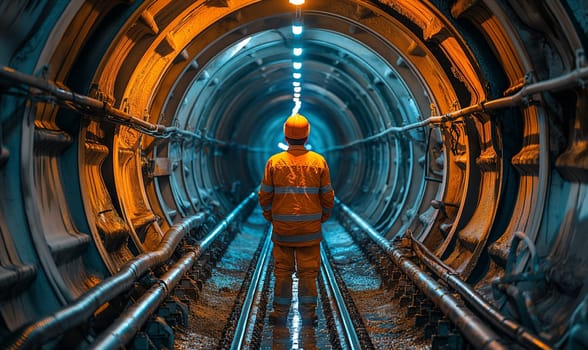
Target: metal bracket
<point x="125" y="105"/>
<point x="160" y="167"/>
<point x="529" y="77"/>
<point x="158" y="333"/>
<point x="174" y="312"/>
<point x="43" y="72"/>
<point x="97" y="93"/>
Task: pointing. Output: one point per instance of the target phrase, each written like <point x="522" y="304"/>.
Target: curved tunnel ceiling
<point x="420" y="108"/>
<point x="354" y="79"/>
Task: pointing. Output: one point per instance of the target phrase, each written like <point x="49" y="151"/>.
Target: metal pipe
<point x="225" y="223"/>
<point x="66" y="95"/>
<point x="82" y="309"/>
<point x="574" y="77"/>
<point x="505" y="324"/>
<point x="155" y="130"/>
<point x="394" y="129"/>
<point x="475" y="330"/>
<point x="124" y="328"/>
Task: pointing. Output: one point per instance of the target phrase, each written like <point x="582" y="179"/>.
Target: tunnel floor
<point x="383" y="315"/>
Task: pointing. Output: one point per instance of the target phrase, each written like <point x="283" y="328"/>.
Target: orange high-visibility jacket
<point x="296" y="196"/>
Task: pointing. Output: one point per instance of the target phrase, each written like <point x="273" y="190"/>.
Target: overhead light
<point x="295" y="83"/>
<point x="297" y="95"/>
<point x="296" y="75"/>
<point x="297" y="89"/>
<point x="297" y="2"/>
<point x="296" y="29"/>
<point x="297" y="51"/>
<point x="297" y="65"/>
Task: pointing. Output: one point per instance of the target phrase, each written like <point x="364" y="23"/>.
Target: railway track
<point x="365" y="301"/>
<point x="373" y="294"/>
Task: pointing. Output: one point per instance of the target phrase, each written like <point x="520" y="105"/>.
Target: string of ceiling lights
<point x="297" y="56"/>
<point x="297" y="25"/>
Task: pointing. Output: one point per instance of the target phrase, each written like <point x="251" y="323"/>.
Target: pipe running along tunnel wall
<point x="84" y="192"/>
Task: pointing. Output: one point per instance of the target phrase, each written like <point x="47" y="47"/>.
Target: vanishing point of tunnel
<point x="134" y="134"/>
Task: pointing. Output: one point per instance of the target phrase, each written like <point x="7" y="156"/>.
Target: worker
<point x="296" y="197"/>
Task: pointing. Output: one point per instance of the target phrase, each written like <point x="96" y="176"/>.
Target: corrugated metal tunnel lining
<point x="83" y="194"/>
<point x="236" y="93"/>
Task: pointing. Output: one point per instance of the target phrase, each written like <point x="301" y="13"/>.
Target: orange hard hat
<point x="296" y="127"/>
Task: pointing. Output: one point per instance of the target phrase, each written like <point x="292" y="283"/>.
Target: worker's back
<point x="296" y="196"/>
<point x="301" y="191"/>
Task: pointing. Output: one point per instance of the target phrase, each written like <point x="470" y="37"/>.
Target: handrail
<point x="89" y="104"/>
<point x="574" y="77"/>
<point x="391" y="130"/>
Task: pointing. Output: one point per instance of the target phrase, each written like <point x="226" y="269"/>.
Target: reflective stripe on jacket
<point x="296" y="196"/>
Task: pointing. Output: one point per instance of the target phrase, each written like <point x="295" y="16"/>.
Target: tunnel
<point x="458" y="125"/>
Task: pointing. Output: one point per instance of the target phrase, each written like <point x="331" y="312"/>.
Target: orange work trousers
<point x="306" y="262"/>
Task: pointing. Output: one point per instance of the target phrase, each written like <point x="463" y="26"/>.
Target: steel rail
<point x="330" y="300"/>
<point x="476" y="331"/>
<point x="350" y="337"/>
<point x="509" y="326"/>
<point x="242" y="336"/>
<point x="83" y="308"/>
<point x="126" y="326"/>
<point x="573" y="78"/>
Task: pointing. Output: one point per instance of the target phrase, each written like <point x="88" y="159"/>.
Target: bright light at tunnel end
<point x="297" y="2"/>
<point x="296" y="29"/>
